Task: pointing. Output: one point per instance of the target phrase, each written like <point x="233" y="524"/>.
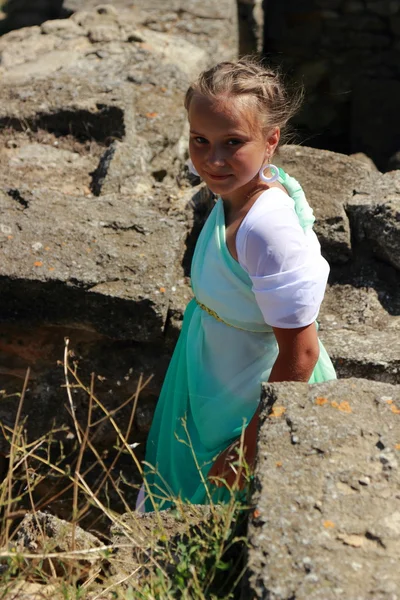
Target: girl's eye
<point x="200" y="140"/>
<point x="234" y="142"/>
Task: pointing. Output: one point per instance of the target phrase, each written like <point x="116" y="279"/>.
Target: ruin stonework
<point x="347" y="54"/>
<point x="99" y="218"/>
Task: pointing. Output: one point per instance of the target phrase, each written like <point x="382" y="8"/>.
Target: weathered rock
<point x="68" y="101"/>
<point x="251" y="23"/>
<point x="394" y="161"/>
<point x="28" y="590"/>
<point x="155" y="540"/>
<point x="96" y="261"/>
<point x="206" y="24"/>
<point x="327" y="493"/>
<point x="43" y="534"/>
<point x="375" y="213"/>
<point x="71" y="118"/>
<point x="366" y="160"/>
<point x="145" y="530"/>
<point x="328" y="180"/>
<point x="359" y="317"/>
<point x="360" y="328"/>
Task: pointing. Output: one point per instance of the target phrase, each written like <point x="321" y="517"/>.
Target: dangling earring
<point x="191" y="167"/>
<point x="274" y="173"/>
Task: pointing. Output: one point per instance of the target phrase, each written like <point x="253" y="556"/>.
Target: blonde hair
<point x="247" y="77"/>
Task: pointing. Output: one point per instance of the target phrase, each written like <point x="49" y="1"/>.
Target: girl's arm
<point x="298" y="355"/>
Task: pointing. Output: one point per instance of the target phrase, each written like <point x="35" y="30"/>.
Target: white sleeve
<point x="284" y="263"/>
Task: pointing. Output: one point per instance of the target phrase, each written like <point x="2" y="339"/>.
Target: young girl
<point x="258" y="279"/>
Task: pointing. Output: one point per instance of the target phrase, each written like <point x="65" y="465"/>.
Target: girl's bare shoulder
<point x="278" y="185"/>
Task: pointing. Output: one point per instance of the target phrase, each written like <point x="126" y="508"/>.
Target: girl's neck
<point x="237" y="203"/>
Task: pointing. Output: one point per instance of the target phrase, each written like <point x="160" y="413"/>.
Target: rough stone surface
<point x="326" y="517"/>
<point x="89" y="245"/>
<point x="27" y="590"/>
<point x="360" y="327"/>
<point x="144" y="530"/>
<point x="375" y="212"/>
<point x="328" y="180"/>
<point x="357" y="224"/>
<point x="206" y="24"/>
<point x="366" y="160"/>
<point x="41" y="533"/>
<point x="93" y="224"/>
<point x="212" y="26"/>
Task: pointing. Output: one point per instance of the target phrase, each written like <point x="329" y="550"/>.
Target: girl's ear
<point x="272" y="141"/>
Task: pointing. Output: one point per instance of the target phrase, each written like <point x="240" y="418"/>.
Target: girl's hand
<point x="230" y="468"/>
<point x="225" y="470"/>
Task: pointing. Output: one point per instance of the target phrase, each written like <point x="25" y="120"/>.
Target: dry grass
<point x="204" y="560"/>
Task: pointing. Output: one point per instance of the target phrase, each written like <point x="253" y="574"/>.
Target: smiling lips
<point x="217" y="177"/>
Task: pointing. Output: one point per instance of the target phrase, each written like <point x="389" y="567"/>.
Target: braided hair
<point x="256" y="85"/>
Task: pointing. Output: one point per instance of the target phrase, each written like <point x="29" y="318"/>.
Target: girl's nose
<point x="216" y="157"/>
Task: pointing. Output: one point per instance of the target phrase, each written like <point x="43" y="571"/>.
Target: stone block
<point x="325" y="520"/>
<point x="327" y="179"/>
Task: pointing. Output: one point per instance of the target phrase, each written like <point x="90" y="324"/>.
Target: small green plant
<point x="202" y="560"/>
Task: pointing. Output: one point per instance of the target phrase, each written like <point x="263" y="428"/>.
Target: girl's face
<point x="226" y="147"/>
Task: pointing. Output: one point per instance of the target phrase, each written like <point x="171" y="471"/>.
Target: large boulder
<point x="94" y="224"/>
<point x="212" y="26"/>
<point x="358" y="226"/>
<point x="206" y="24"/>
<point x="329" y="180"/>
<point x="325" y="522"/>
<point x="350" y="200"/>
<point x="374" y="211"/>
<point x="72" y="548"/>
<point x="360" y="327"/>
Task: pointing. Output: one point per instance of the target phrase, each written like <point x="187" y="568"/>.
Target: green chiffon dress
<point x="212" y="387"/>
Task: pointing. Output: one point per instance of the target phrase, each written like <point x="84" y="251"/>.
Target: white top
<point x="284" y="262"/>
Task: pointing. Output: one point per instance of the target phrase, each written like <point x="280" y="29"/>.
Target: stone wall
<point x="347" y="53"/>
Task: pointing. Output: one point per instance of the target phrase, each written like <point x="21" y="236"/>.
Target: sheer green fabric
<point x="212" y="387"/>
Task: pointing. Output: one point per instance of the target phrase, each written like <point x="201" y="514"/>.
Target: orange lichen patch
<point x="389" y="400"/>
<point x="163" y="89"/>
<point x="334" y="404"/>
<point x="47" y="248"/>
<point x="277" y="411"/>
<point x="320" y="401"/>
<point x="162" y="290"/>
<point x="345" y="407"/>
<point x="151" y="115"/>
<point x="397" y="446"/>
<point x="51" y="268"/>
<point x="256" y="513"/>
<point x="395" y="410"/>
<point x="278" y="463"/>
<point x="38" y="263"/>
<point x="328" y="524"/>
<point x="10" y="237"/>
<point x="88" y="249"/>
